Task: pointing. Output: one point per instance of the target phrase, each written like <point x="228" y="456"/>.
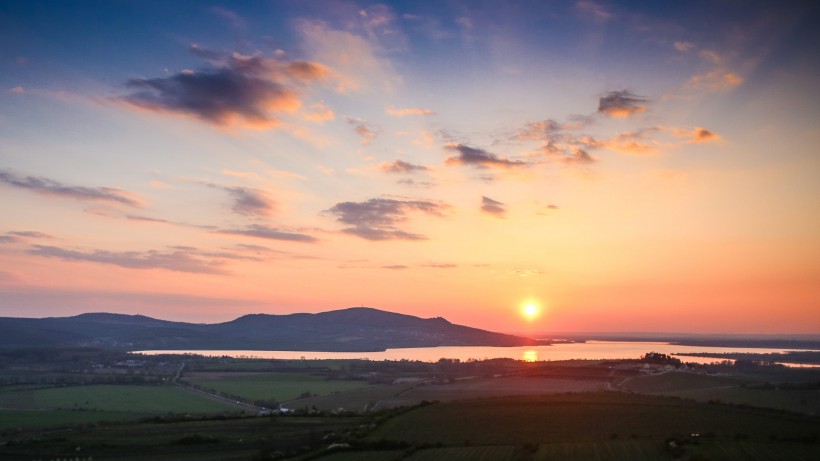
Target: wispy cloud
<point x="493" y="207"/>
<point x="400" y="166"/>
<point x="392" y="111"/>
<point x="50" y="187"/>
<point x="271" y="233"/>
<point x="622" y="104"/>
<point x="149" y="219"/>
<point x="354" y="55"/>
<point x="234" y="89"/>
<point x="377" y="218"/>
<point x="594" y="10"/>
<point x="478" y="157"/>
<point x="178" y="260"/>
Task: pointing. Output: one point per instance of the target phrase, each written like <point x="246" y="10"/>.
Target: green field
<point x="56" y="406"/>
<point x="279" y="387"/>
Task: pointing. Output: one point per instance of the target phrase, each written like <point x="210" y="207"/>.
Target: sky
<point x="621" y="166"/>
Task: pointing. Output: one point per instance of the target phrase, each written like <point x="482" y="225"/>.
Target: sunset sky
<point x="624" y="166"/>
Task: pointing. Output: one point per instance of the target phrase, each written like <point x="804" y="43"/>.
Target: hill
<point x="347" y="330"/>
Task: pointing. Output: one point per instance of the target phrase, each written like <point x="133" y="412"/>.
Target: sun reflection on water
<point x="530" y="355"/>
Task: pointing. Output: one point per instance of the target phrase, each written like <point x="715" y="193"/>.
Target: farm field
<point x="587" y="417"/>
<point x="207" y="440"/>
<point x="796" y="400"/>
<point x="358" y="400"/>
<point x="677" y="381"/>
<point x="55" y="406"/>
<point x="705" y="388"/>
<point x="278" y="387"/>
<point x="493" y="387"/>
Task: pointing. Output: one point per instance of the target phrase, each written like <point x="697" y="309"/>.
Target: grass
<point x="279" y="387"/>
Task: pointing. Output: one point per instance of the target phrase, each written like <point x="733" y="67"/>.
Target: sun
<point x="530" y="311"/>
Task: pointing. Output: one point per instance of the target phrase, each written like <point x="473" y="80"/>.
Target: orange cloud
<point x="716" y="80"/>
<point x="320" y="113"/>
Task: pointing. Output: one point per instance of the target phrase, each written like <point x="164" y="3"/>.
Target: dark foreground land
<point x="87" y="404"/>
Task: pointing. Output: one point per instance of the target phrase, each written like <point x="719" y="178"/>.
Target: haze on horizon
<point x="620" y="167"/>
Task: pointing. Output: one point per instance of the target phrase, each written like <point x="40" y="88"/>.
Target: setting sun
<point x="530" y="311"/>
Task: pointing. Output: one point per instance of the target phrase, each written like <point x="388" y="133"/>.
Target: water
<point x="590" y="350"/>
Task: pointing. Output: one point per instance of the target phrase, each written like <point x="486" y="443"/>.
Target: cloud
<point x="579" y="156"/>
<point x="320" y="113"/>
<point x="354" y="58"/>
<point x="479" y="158"/>
<point x="366" y="132"/>
<point x="395" y="267"/>
<point x="392" y="111"/>
<point x="684" y="47"/>
<point x="376" y="219"/>
<point x="493" y="207"/>
<point x="400" y="166"/>
<point x="441" y="265"/>
<point x="18" y="90"/>
<point x="141" y="218"/>
<point x="699" y="135"/>
<point x="641" y="142"/>
<point x="179" y="260"/>
<point x="251" y="202"/>
<point x="621" y="104"/>
<point x="716" y="80"/>
<point x="21" y="236"/>
<point x="703" y="135"/>
<point x="265" y="232"/>
<point x="50" y="187"/>
<point x="234" y="89"/>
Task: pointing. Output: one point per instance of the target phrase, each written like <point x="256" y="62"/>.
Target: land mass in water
<point x="357" y="329"/>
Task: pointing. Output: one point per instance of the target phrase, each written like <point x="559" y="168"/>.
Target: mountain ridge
<point x="355" y="329"/>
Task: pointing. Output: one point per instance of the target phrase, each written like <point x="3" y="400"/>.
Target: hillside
<point x="349" y="330"/>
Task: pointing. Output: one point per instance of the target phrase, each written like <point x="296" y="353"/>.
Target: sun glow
<point x="530" y="311"/>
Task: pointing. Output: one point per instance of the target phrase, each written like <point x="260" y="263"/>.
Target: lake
<point x="590" y="350"/>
